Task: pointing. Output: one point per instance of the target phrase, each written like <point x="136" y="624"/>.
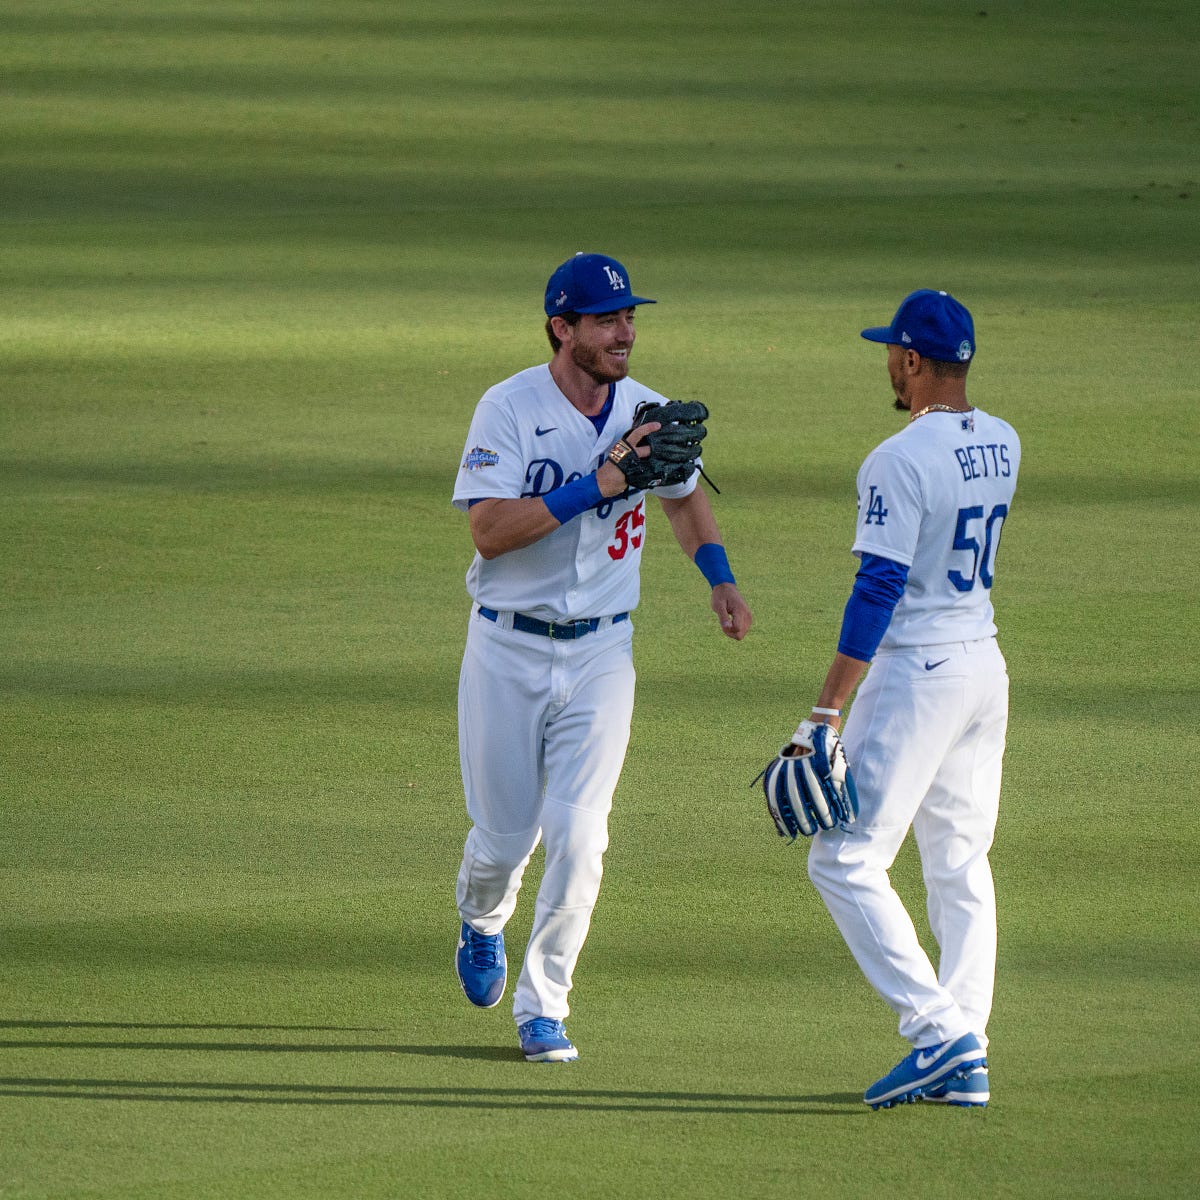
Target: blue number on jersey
<point x="875" y="510"/>
<point x="983" y="564"/>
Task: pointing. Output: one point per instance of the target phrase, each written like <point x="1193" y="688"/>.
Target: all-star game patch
<point x="478" y="458"/>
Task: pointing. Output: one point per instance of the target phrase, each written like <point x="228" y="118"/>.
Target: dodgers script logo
<point x="541" y="476"/>
<point x="478" y="458"/>
<point x="544" y="475"/>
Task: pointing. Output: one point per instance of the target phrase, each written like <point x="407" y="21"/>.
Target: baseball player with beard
<point x="547" y="682"/>
<point x="926" y="735"/>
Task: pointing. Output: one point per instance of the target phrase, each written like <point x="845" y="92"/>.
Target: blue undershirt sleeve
<point x="878" y="587"/>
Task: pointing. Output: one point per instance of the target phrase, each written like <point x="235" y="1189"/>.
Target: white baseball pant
<point x="543" y="730"/>
<point x="925" y="743"/>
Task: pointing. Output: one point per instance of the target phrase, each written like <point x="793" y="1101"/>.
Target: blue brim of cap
<point x="880" y="333"/>
<point x="614" y="305"/>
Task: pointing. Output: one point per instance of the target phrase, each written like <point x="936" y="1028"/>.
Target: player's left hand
<point x="809" y="785"/>
<point x="732" y="611"/>
<point x="672" y="437"/>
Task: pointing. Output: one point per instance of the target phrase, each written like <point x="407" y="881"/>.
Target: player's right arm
<point x="501" y="525"/>
<point x="498" y="526"/>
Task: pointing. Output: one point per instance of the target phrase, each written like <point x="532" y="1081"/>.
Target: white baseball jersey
<point x="934" y="497"/>
<point x="526" y="439"/>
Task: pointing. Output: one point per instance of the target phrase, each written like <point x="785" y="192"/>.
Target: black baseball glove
<point x="673" y="449"/>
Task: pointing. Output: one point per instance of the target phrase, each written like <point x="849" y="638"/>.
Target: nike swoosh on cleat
<point x="924" y="1060"/>
<point x="540" y="432"/>
<point x="934" y="666"/>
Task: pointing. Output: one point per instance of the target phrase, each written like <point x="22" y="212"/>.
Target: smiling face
<point x="600" y="344"/>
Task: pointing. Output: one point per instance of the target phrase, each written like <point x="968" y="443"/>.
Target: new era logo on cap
<point x="933" y="324"/>
<point x="590" y="283"/>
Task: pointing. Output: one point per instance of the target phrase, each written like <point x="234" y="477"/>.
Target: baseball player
<point x="555" y="476"/>
<point x="925" y="738"/>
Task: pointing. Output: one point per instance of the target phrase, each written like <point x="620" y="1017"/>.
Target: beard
<point x="590" y="360"/>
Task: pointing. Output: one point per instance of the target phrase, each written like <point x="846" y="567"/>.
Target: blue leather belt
<point x="564" y="632"/>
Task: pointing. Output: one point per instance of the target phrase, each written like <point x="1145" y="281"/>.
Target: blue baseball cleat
<point x="924" y="1069"/>
<point x="971" y="1091"/>
<point x="481" y="966"/>
<point x="545" y="1040"/>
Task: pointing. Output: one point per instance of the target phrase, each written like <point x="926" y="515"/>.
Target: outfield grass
<point x="259" y="260"/>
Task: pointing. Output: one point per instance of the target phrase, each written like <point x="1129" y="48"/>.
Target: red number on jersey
<point x="628" y="532"/>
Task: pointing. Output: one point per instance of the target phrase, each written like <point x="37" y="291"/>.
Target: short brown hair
<point x="571" y="318"/>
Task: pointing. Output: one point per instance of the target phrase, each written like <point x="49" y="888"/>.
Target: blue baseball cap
<point x="590" y="283"/>
<point x="933" y="324"/>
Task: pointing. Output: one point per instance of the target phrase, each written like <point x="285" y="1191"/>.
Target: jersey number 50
<point x="983" y="562"/>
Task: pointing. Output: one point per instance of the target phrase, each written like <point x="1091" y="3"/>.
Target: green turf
<point x="259" y="260"/>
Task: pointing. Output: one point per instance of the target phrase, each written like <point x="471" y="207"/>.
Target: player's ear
<point x="560" y="328"/>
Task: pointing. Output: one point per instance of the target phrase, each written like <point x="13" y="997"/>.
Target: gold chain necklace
<point x="936" y="408"/>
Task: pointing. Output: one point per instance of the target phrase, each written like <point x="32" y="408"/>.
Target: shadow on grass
<point x="207" y="1092"/>
<point x="498" y="1053"/>
<point x="838" y="1104"/>
<point x="487" y="1053"/>
<point x="182" y="1025"/>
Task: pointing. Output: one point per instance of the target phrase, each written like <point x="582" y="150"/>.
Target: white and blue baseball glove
<point x="809" y="785"/>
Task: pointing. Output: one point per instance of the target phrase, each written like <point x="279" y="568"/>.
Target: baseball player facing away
<point x="926" y="735"/>
<point x="547" y="682"/>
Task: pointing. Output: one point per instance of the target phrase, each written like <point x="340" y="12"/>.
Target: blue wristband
<point x="573" y="498"/>
<point x="714" y="564"/>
